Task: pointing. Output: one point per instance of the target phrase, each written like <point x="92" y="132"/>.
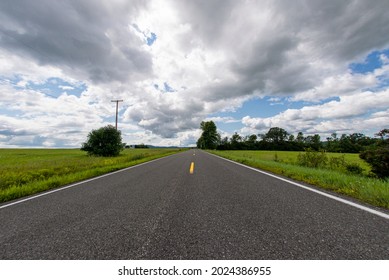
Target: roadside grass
<point x="291" y="157"/>
<point x="28" y="171"/>
<point x="362" y="187"/>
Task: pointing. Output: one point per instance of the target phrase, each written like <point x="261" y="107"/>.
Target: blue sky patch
<point x="151" y="39"/>
<point x="10" y="112"/>
<point x="168" y="88"/>
<point x="54" y="87"/>
<point x="371" y="63"/>
<point x="229" y="127"/>
<point x="262" y="108"/>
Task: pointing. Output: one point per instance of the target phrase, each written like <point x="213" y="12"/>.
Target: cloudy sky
<point x="316" y="66"/>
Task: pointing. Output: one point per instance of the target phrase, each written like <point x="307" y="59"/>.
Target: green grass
<point x="27" y="171"/>
<point x="291" y="157"/>
<point x="366" y="189"/>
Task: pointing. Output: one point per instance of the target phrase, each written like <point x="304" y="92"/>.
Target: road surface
<point x="191" y="205"/>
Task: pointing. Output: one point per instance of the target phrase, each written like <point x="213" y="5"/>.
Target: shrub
<point x="378" y="159"/>
<point x="354" y="168"/>
<point x="312" y="158"/>
<point x="337" y="163"/>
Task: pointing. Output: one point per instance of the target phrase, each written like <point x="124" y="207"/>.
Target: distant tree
<point x="300" y="138"/>
<point x="351" y="143"/>
<point x="313" y="142"/>
<point x="383" y="134"/>
<point x="276" y="135"/>
<point x="332" y="144"/>
<point x="251" y="141"/>
<point x="105" y="141"/>
<point x="209" y="138"/>
<point x="236" y="141"/>
<point x="141" y="146"/>
<point x="224" y="144"/>
<point x="275" y="139"/>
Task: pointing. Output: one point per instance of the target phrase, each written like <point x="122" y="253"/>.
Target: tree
<point x="378" y="156"/>
<point x="276" y="135"/>
<point x="224" y="144"/>
<point x="383" y="134"/>
<point x="300" y="138"/>
<point x="333" y="143"/>
<point x="313" y="142"/>
<point x="236" y="141"/>
<point x="251" y="141"/>
<point x="209" y="138"/>
<point x="105" y="141"/>
<point x="275" y="139"/>
<point x="378" y="159"/>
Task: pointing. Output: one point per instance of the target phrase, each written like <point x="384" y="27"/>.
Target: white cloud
<point x="66" y="87"/>
<point x="356" y="112"/>
<point x="384" y="59"/>
<point x="216" y="55"/>
<point x="222" y="119"/>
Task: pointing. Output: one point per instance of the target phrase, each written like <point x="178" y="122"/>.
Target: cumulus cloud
<point x="85" y="39"/>
<point x="280" y="47"/>
<point x="345" y="114"/>
<point x="213" y="56"/>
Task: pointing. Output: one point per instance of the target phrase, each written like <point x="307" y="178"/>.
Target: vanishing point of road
<point x="191" y="205"/>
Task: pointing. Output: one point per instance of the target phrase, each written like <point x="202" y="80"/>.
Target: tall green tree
<point x="251" y="141"/>
<point x="105" y="141"/>
<point x="209" y="138"/>
<point x="313" y="142"/>
<point x="236" y="141"/>
<point x="276" y="135"/>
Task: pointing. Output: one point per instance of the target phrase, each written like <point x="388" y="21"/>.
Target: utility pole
<point x="117" y="106"/>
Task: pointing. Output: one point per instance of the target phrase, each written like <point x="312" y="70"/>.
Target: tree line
<point x="279" y="139"/>
<point x="375" y="151"/>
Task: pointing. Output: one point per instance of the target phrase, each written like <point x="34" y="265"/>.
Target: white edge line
<point x="367" y="209"/>
<point x="80" y="183"/>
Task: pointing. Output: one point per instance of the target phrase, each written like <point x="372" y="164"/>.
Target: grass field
<point x="27" y="171"/>
<point x="291" y="157"/>
<point x="362" y="187"/>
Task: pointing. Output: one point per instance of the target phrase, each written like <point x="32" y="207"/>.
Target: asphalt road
<point x="160" y="210"/>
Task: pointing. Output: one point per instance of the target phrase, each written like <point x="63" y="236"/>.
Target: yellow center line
<point x="191" y="169"/>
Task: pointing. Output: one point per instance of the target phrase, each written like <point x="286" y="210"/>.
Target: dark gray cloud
<point x="207" y="18"/>
<point x="342" y="30"/>
<point x="284" y="47"/>
<point x="85" y="38"/>
<point x="13" y="132"/>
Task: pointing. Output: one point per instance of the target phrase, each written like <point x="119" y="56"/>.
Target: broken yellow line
<point x="191" y="169"/>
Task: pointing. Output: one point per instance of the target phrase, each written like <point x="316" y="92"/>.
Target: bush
<point x="105" y="141"/>
<point x="354" y="168"/>
<point x="337" y="163"/>
<point x="378" y="159"/>
<point x="312" y="158"/>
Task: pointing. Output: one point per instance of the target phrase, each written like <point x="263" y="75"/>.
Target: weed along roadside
<point x="25" y="172"/>
<point x="344" y="174"/>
